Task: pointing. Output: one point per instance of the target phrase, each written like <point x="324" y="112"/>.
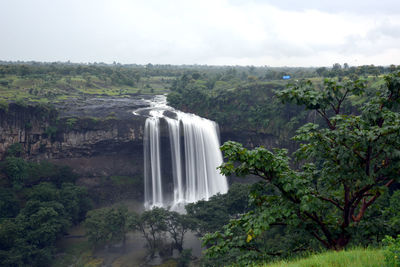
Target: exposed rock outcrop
<point x="44" y="135"/>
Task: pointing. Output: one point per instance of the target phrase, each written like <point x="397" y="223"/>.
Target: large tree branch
<point x="321" y="225"/>
<point x="326" y="244"/>
<point x="330" y="200"/>
<point x="366" y="204"/>
<point x="328" y="121"/>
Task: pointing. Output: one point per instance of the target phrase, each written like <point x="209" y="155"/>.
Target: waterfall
<point x="194" y="156"/>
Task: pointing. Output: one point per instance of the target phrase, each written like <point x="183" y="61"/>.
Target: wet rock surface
<point x="102" y="107"/>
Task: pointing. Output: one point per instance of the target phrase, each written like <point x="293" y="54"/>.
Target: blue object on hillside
<point x="286" y="77"/>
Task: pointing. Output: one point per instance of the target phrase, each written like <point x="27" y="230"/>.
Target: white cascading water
<point x="194" y="158"/>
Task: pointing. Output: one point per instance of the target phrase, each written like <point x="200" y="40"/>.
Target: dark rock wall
<point x="43" y="136"/>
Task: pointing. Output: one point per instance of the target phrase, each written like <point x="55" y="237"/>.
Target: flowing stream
<point x="194" y="156"/>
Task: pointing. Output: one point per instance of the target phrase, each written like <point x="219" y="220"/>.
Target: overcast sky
<point x="213" y="32"/>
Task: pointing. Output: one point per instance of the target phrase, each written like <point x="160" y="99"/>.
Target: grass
<point x="122" y="180"/>
<point x="358" y="257"/>
<point x="57" y="88"/>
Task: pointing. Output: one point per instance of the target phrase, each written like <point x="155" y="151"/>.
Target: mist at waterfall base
<point x="192" y="156"/>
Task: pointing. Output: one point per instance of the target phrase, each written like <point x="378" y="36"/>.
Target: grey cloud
<point x="337" y="6"/>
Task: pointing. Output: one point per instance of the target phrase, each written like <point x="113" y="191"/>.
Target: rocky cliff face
<point x="44" y="135"/>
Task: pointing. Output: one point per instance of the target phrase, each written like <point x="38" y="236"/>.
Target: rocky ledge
<point x="72" y="129"/>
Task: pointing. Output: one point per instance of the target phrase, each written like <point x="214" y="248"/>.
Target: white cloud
<point x="202" y="32"/>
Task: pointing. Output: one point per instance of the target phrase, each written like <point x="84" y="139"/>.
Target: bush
<point x="3" y="105"/>
<point x="15" y="150"/>
<point x="392" y="251"/>
<point x="17" y="171"/>
<point x="71" y="122"/>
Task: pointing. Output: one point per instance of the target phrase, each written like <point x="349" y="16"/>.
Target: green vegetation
<point x="339" y="191"/>
<point x="109" y="225"/>
<point x="52" y="82"/>
<point x="347" y="164"/>
<point x="49" y="83"/>
<point x="240" y="107"/>
<point x="213" y="214"/>
<point x="353" y="258"/>
<point x="38" y="202"/>
<point x="106" y="225"/>
<point x="392" y="250"/>
<point x="75" y="254"/>
<point x="241" y="104"/>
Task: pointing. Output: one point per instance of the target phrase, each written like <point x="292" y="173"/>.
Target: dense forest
<point x="328" y="181"/>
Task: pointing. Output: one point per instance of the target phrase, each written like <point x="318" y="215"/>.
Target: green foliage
<point x="9" y="205"/>
<point x="106" y="225"/>
<point x="177" y="225"/>
<point x="4" y="105"/>
<point x="346" y="167"/>
<point x="21" y="173"/>
<point x="17" y="171"/>
<point x="31" y="235"/>
<point x="392" y="251"/>
<point x="155" y="223"/>
<point x="213" y="214"/>
<point x="354" y="258"/>
<point x="123" y="180"/>
<point x="51" y="131"/>
<point x="36" y="211"/>
<point x="71" y="122"/>
<point x="393" y="212"/>
<point x="21" y="102"/>
<point x="15" y="150"/>
<point x="240" y="106"/>
<point x="152" y="224"/>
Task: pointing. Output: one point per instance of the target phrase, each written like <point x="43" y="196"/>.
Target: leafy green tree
<point x="213" y="214"/>
<point x="177" y="225"/>
<point x="393" y="212"/>
<point x="75" y="200"/>
<point x="346" y="166"/>
<point x="106" y="225"/>
<point x="96" y="227"/>
<point x="15" y="150"/>
<point x="116" y="220"/>
<point x="152" y="224"/>
<point x="29" y="238"/>
<point x="33" y="213"/>
<point x="9" y="204"/>
<point x="16" y="170"/>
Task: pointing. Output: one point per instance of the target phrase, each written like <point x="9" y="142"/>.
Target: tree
<point x="321" y="71"/>
<point x="177" y="226"/>
<point x="212" y="215"/>
<point x="16" y="170"/>
<point x="152" y="224"/>
<point x="96" y="227"/>
<point x="106" y="225"/>
<point x="9" y="205"/>
<point x="346" y="166"/>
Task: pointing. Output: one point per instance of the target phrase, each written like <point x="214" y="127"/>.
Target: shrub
<point x="4" y="105"/>
<point x="15" y="150"/>
<point x="392" y="251"/>
<point x="71" y="122"/>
